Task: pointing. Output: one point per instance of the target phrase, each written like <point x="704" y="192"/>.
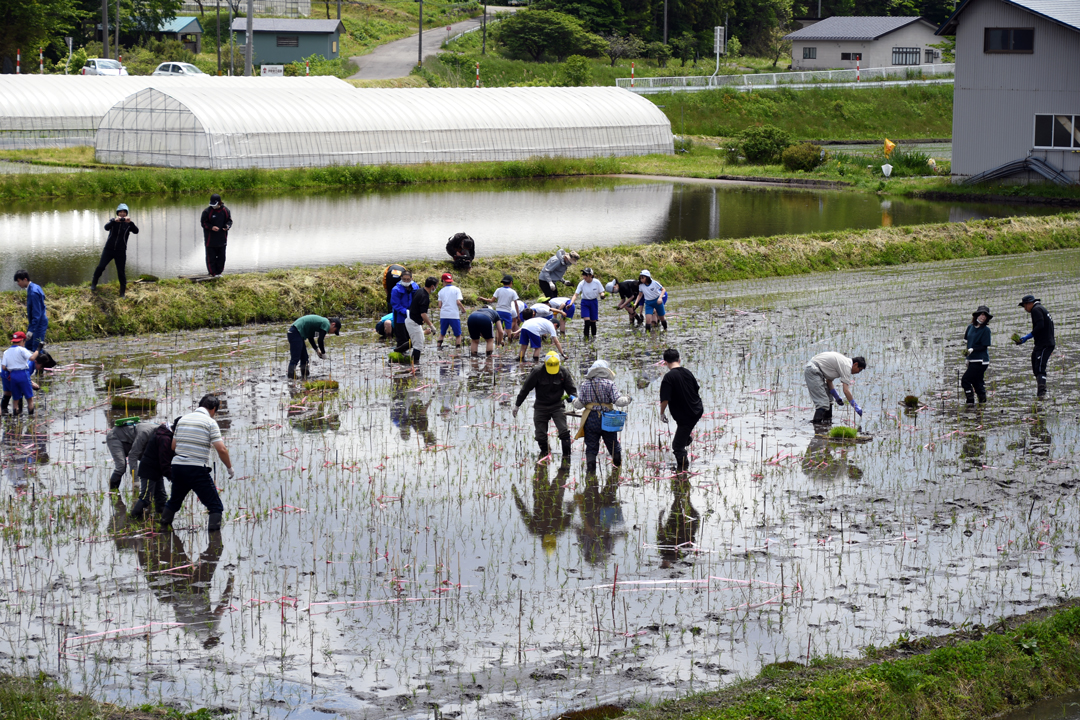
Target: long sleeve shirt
<point x="218" y="217"/>
<point x="554" y="268"/>
<point x="401" y="300"/>
<point x="118" y="234"/>
<point x="1042" y="327"/>
<point x="36" y="320"/>
<point x="978" y="340"/>
<point x="549" y="388"/>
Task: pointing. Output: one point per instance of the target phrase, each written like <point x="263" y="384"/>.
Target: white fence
<point x="873" y="77"/>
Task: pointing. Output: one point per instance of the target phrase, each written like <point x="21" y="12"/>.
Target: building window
<point x="905" y="55"/>
<point x="851" y="57"/>
<point x="1009" y="40"/>
<point x="333" y="46"/>
<point x="931" y="56"/>
<point x="1057" y="131"/>
<point x="809" y="53"/>
<point x="288" y="41"/>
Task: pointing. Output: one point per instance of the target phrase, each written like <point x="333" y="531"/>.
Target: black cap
<point x="587" y="271"/>
<point x="215" y="199"/>
<point x="507" y="279"/>
<point x="1028" y="299"/>
<point x="336" y="321"/>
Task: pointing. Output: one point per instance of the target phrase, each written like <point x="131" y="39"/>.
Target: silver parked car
<point x="177" y="68"/>
<point x="103" y="66"/>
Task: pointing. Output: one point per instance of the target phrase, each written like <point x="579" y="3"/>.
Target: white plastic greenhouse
<point x="64" y="110"/>
<point x="304" y="126"/>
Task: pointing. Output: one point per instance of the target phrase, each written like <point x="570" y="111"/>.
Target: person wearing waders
<point x="628" y="292"/>
<point x="155" y="466"/>
<point x="307" y="329"/>
<point x="37" y="321"/>
<point x="598" y="395"/>
<point x="504" y="299"/>
<point x="126" y="444"/>
<point x="653" y="294"/>
<point x="551" y="382"/>
<point x="1042" y="332"/>
<point x="462" y="248"/>
<point x="820" y="373"/>
<point x="115" y="251"/>
<point x="553" y="271"/>
<point x="216" y="221"/>
<point x="680" y="394"/>
<point x="977" y="337"/>
<point x="400" y="302"/>
<point x="417" y="321"/>
<point x="591" y="292"/>
<point x="196" y="433"/>
<point x="17" y="364"/>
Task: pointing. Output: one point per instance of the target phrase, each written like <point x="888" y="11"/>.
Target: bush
<point x="683" y="145"/>
<point x="763" y="144"/>
<point x="574" y="72"/>
<point x="734" y="47"/>
<point x="803" y="156"/>
<point x="338" y="67"/>
<point x="909" y="163"/>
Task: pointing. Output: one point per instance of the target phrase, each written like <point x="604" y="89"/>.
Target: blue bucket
<point x="612" y="420"/>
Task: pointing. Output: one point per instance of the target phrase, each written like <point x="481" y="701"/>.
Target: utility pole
<point x="105" y="27"/>
<point x="338" y="9"/>
<point x="219" y="37"/>
<point x="665" y="22"/>
<point x="232" y="42"/>
<point x="117" y="29"/>
<point x="248" y="51"/>
<point x="420" y="41"/>
<point x="483" y="45"/>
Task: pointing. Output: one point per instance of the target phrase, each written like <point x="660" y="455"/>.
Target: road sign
<point x="272" y="71"/>
<point x="718" y="40"/>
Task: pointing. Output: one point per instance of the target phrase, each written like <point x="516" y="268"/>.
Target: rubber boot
<point x="970" y="397"/>
<point x="682" y="463"/>
<point x="663" y="322"/>
<point x="1042" y="388"/>
<point x="565" y="440"/>
<point x="214" y="524"/>
<point x="138" y="508"/>
<point x="166" y="517"/>
<point x="416" y="357"/>
<point x="305" y="370"/>
<point x="590" y="464"/>
<point x="291" y="372"/>
<point x="616" y="459"/>
<point x="640" y="319"/>
<point x="981" y="396"/>
<point x="822" y="416"/>
<point x="4" y="405"/>
<point x="115" y="480"/>
<point x="544" y="449"/>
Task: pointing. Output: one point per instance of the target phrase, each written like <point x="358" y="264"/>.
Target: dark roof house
<point x="845" y="41"/>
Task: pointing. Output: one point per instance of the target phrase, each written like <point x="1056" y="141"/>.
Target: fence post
<point x="631" y="75"/>
<point x="477" y="74"/>
<point x="41" y="60"/>
<point x="307" y="67"/>
<point x="18" y="60"/>
<point x="857" y="72"/>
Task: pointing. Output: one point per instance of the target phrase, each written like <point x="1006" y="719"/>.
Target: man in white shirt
<point x="504" y="299"/>
<point x="820" y="373"/>
<point x="450" y="309"/>
<point x="196" y="433"/>
<point x="591" y="291"/>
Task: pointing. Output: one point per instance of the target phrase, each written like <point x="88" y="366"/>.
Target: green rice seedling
<point x="118" y="382"/>
<point x="842" y="431"/>
<point x="321" y="385"/>
<point x="1015" y="337"/>
<point x="125" y="403"/>
<point x="911" y="401"/>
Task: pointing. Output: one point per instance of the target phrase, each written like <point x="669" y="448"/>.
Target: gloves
<point x="571" y="399"/>
<point x="623" y="401"/>
<point x="30" y="336"/>
<point x="578" y="404"/>
<point x="969" y="351"/>
<point x="663" y="418"/>
<point x="1022" y="340"/>
<point x="513" y="412"/>
<point x="567" y="283"/>
<point x="836" y="396"/>
<point x="232" y="473"/>
<point x="858" y="410"/>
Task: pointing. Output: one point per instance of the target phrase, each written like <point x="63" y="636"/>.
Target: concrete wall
<point x="267" y="51"/>
<point x="996" y="96"/>
<point x="875" y="53"/>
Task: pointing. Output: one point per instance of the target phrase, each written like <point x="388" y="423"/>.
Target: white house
<point x="1015" y="100"/>
<point x="841" y="42"/>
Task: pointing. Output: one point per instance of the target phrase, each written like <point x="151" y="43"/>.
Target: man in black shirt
<point x="120" y="227"/>
<point x="216" y="221"/>
<point x="1042" y="331"/>
<point x="417" y="321"/>
<point x="679" y="392"/>
<point x="552" y="382"/>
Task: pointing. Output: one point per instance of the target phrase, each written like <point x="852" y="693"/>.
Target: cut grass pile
<point x="284" y="295"/>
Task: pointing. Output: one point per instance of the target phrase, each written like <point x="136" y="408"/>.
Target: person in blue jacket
<point x="385" y="326"/>
<point x="977" y="336"/>
<point x="37" y="322"/>
<point x="400" y="301"/>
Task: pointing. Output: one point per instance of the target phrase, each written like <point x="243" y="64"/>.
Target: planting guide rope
<point x="402" y="520"/>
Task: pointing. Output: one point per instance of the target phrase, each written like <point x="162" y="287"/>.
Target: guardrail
<point x="900" y="75"/>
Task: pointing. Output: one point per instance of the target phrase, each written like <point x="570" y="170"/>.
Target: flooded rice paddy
<point x="393" y="549"/>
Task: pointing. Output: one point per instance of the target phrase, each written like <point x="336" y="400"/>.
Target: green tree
<point x="684" y="48"/>
<point x="659" y="52"/>
<point x="619" y="47"/>
<point x="574" y="72"/>
<point x="596" y="16"/>
<point x="535" y="32"/>
<point x="30" y="24"/>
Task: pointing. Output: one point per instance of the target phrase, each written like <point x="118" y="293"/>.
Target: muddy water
<point x="393" y="548"/>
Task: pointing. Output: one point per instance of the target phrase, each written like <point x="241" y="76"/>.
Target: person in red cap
<point x="16" y="365"/>
<point x="450" y="309"/>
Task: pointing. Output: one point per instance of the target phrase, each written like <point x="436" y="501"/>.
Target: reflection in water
<point x="550" y="516"/>
<point x="23" y="450"/>
<point x="59" y="241"/>
<point x="601" y="516"/>
<point x="173" y="577"/>
<point x="825" y="460"/>
<point x="974" y="449"/>
<point x="680" y="528"/>
<point x="408" y="411"/>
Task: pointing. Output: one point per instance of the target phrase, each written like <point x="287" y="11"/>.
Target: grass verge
<point x="283" y="295"/>
<point x="976" y="673"/>
<point x="41" y="699"/>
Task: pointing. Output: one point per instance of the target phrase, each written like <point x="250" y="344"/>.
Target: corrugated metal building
<point x="1017" y="91"/>
<point x="843" y="41"/>
<point x="278" y="41"/>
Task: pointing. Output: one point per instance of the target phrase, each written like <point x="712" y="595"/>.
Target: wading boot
<point x="4" y="405"/>
<point x="115" y="480"/>
<point x="982" y="396"/>
<point x="1042" y="388"/>
<point x="565" y="440"/>
<point x="616" y="459"/>
<point x="166" y="517"/>
<point x="138" y="508"/>
<point x="590" y="464"/>
<point x="291" y="372"/>
<point x="970" y="397"/>
<point x="544" y="449"/>
<point x="822" y="416"/>
<point x="214" y="524"/>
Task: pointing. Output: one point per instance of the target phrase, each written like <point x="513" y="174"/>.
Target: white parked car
<point x="177" y="68"/>
<point x="103" y="66"/>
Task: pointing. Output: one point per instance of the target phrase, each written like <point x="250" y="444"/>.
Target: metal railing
<point x="906" y="74"/>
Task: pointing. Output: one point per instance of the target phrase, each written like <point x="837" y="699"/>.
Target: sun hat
<point x="447" y="277"/>
<point x="982" y="309"/>
<point x="600" y="369"/>
<point x="552" y="364"/>
<point x="574" y="255"/>
<point x="610" y="287"/>
<point x="1028" y="299"/>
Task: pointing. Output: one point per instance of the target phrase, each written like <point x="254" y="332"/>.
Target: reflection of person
<point x="37" y="321"/>
<point x="600" y="515"/>
<point x="599" y="394"/>
<point x="819" y="374"/>
<point x="120" y="227"/>
<point x="23" y="451"/>
<point x="591" y="291"/>
<point x="628" y="292"/>
<point x="196" y="433"/>
<point x="504" y="299"/>
<point x="653" y="294"/>
<point x="154" y="466"/>
<point x="1042" y="331"/>
<point x="551" y="382"/>
<point x="126" y="444"/>
<point x="17" y="365"/>
<point x="549" y="516"/>
<point x="681" y="525"/>
<point x="462" y="248"/>
<point x="977" y="337"/>
<point x="554" y="270"/>
<point x="216" y="221"/>
<point x="450" y="309"/>
<point x="306" y="329"/>
<point x="384" y="326"/>
<point x="409" y="412"/>
<point x="679" y="392"/>
<point x="484" y="324"/>
<point x="400" y="302"/>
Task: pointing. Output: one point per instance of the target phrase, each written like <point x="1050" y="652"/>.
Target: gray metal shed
<point x="1015" y="101"/>
<point x="844" y="41"/>
<point x="277" y="41"/>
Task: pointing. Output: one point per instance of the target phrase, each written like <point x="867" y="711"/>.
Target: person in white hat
<point x="652" y="292"/>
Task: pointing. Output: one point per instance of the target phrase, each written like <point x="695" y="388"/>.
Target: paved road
<point x="397" y="59"/>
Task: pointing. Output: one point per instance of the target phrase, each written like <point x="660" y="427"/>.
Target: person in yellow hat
<point x="551" y="382"/>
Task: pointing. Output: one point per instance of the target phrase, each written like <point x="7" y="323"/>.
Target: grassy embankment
<point x="280" y="296"/>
